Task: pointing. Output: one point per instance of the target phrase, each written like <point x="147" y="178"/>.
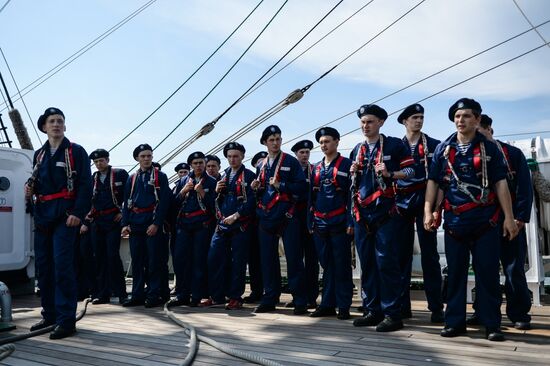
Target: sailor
<point x="254" y="265"/>
<point x="194" y="232"/>
<point x="106" y="214"/>
<point x="213" y="166"/>
<point x="302" y="150"/>
<point x="378" y="162"/>
<point x="229" y="247"/>
<point x="279" y="179"/>
<point x="410" y="203"/>
<point x="182" y="169"/>
<point x="471" y="171"/>
<point x="60" y="187"/>
<point x="332" y="225"/>
<point x="513" y="252"/>
<point x="144" y="214"/>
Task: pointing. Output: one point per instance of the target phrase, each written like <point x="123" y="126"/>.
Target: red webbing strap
<point x="139" y="210"/>
<point x="477" y="158"/>
<point x="193" y="214"/>
<point x="279" y="197"/>
<point x="457" y="210"/>
<point x="64" y="193"/>
<point x="330" y="214"/>
<point x="388" y="192"/>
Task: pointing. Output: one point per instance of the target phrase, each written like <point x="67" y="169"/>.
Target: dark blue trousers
<point x="228" y="246"/>
<point x="429" y="257"/>
<point x="381" y="279"/>
<point x="518" y="300"/>
<point x="334" y="251"/>
<point x="110" y="272"/>
<point x="54" y="247"/>
<point x="86" y="266"/>
<point x="254" y="262"/>
<point x="271" y="268"/>
<point x="311" y="260"/>
<point x="149" y="264"/>
<point x="191" y="259"/>
<point x="485" y="251"/>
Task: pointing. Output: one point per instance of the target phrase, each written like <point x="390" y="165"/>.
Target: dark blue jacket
<point x="519" y="182"/>
<point x="414" y="198"/>
<point x="143" y="196"/>
<point x="51" y="178"/>
<point x="464" y="168"/>
<point x="396" y="157"/>
<point x="293" y="184"/>
<point x="330" y="198"/>
<point x="236" y="198"/>
<point x="190" y="203"/>
<point x="103" y="198"/>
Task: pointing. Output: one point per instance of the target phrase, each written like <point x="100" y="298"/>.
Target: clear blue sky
<point x="120" y="81"/>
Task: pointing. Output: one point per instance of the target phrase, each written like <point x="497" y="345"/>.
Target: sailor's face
<point x="303" y="156"/>
<point x="145" y="159"/>
<point x="328" y="144"/>
<point x="212" y="168"/>
<point x="101" y="164"/>
<point x="415" y="122"/>
<point x="235" y="158"/>
<point x="465" y="121"/>
<point x="182" y="173"/>
<point x="198" y="166"/>
<point x="370" y="125"/>
<point x="273" y="143"/>
<point x="54" y="126"/>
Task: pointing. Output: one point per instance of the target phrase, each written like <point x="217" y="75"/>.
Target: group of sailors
<point x="216" y="223"/>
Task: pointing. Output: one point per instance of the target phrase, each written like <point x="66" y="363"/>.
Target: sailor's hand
<point x="125" y="230"/>
<point x="274" y="182"/>
<point x="72" y="221"/>
<point x="220" y="186"/>
<point x="436" y="215"/>
<point x="349" y="231"/>
<point x="28" y="191"/>
<point x="83" y="229"/>
<point x="520" y="224"/>
<point x="354" y="167"/>
<point x="380" y="168"/>
<point x="255" y="184"/>
<point x="200" y="189"/>
<point x="187" y="187"/>
<point x="152" y="230"/>
<point x="118" y="217"/>
<point x="509" y="228"/>
<point x="429" y="221"/>
<point x="230" y="220"/>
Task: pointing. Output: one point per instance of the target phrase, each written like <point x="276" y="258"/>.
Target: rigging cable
<point x="67" y="61"/>
<point x="189" y="77"/>
<point x="419" y="81"/>
<point x="528" y="21"/>
<point x="21" y="97"/>
<point x="4" y="6"/>
<point x="212" y="124"/>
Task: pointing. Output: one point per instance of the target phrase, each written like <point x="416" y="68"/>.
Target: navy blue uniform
<point x="145" y="204"/>
<point x="275" y="212"/>
<point x="107" y="199"/>
<point x="230" y="243"/>
<point x="377" y="236"/>
<point x="194" y="231"/>
<point x="311" y="260"/>
<point x="410" y="202"/>
<point x="470" y="227"/>
<point x="331" y="217"/>
<point x="59" y="195"/>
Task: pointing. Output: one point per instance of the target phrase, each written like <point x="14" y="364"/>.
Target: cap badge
<point x="460" y="105"/>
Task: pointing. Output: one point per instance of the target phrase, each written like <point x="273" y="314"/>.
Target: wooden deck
<point x="113" y="335"/>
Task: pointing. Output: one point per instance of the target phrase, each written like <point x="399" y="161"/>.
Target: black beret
<point x="213" y="157"/>
<point x="372" y="109"/>
<point x="304" y="144"/>
<point x="233" y="146"/>
<point x="181" y="166"/>
<point x="269" y="130"/>
<point x="140" y="148"/>
<point x="327" y="131"/>
<point x="258" y="156"/>
<point x="156" y="165"/>
<point x="48" y="112"/>
<point x="195" y="155"/>
<point x="409" y="111"/>
<point x="486" y="120"/>
<point x="464" y="103"/>
<point x="98" y="154"/>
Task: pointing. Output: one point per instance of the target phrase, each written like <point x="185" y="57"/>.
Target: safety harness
<point x="423" y="153"/>
<point x="116" y="208"/>
<point x="279" y="196"/>
<point x="154" y="181"/>
<point x="202" y="207"/>
<point x="67" y="193"/>
<point x="240" y="193"/>
<point x="317" y="187"/>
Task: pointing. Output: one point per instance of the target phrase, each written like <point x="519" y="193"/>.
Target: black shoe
<point x="132" y="302"/>
<point x="264" y="308"/>
<point x="252" y="298"/>
<point x="312" y="305"/>
<point x="494" y="334"/>
<point x="290" y="304"/>
<point x="343" y="314"/>
<point x="98" y="301"/>
<point x="522" y="325"/>
<point x="41" y="325"/>
<point x="368" y="320"/>
<point x="437" y="317"/>
<point x="59" y="332"/>
<point x="406" y="314"/>
<point x="450" y="332"/>
<point x="300" y="310"/>
<point x="122" y="299"/>
<point x="178" y="302"/>
<point x="323" y="311"/>
<point x="472" y="320"/>
<point x="153" y="303"/>
<point x="194" y="303"/>
<point x="361" y="309"/>
<point x="389" y="325"/>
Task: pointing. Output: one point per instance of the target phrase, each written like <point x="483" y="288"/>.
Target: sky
<point x="111" y="88"/>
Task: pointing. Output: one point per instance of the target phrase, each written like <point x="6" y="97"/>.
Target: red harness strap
<point x="107" y="211"/>
<point x="411" y="188"/>
<point x="317" y="177"/>
<point x="139" y="210"/>
<point x="193" y="214"/>
<point x="279" y="196"/>
<point x="457" y="210"/>
<point x="65" y="194"/>
<point x="330" y="214"/>
<point x="388" y="192"/>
